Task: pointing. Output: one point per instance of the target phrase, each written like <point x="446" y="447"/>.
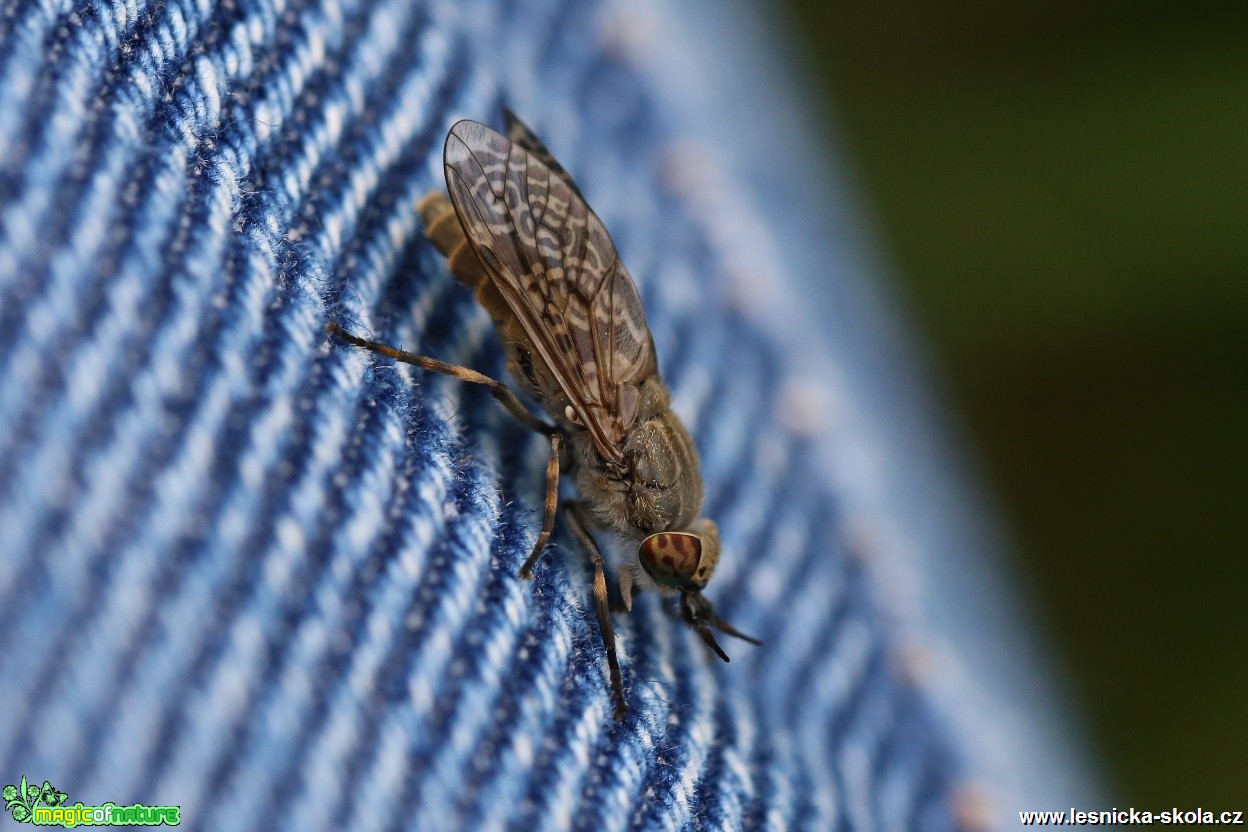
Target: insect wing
<point x="555" y="265"/>
<point x="519" y="133"/>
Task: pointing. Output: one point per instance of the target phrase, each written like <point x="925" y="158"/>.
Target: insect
<point x="517" y="231"/>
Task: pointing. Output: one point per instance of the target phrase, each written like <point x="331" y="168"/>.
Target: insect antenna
<point x="697" y="610"/>
<point x="724" y="627"/>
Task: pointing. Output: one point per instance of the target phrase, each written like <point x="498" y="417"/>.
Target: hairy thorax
<point x="658" y="487"/>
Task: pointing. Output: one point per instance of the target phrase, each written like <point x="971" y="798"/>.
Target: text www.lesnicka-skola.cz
<point x="1170" y="817"/>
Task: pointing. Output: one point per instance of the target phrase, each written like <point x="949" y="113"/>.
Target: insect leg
<point x="552" y="505"/>
<point x="624" y="580"/>
<point x="509" y="400"/>
<point x="576" y="521"/>
<point x="499" y="390"/>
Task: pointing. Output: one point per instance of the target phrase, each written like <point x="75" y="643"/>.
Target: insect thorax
<point x="658" y="487"/>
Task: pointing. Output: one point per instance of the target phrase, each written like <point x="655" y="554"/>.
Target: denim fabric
<point x="273" y="579"/>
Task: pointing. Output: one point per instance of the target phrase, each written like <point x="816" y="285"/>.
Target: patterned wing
<point x="555" y="265"/>
<point x="519" y="133"/>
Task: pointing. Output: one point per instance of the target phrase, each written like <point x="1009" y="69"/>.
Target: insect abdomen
<point x="443" y="229"/>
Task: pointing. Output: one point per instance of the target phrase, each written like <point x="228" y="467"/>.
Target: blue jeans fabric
<point x="272" y="579"/>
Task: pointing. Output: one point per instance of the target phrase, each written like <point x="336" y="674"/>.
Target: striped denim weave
<point x="272" y="579"/>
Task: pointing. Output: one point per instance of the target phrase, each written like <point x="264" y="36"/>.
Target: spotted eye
<point x="672" y="559"/>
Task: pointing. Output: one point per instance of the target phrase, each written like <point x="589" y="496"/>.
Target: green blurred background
<point x="1063" y="188"/>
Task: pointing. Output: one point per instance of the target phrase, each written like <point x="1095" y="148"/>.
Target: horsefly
<point x="517" y="231"/>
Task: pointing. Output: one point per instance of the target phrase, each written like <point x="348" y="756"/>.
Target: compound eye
<point x="672" y="558"/>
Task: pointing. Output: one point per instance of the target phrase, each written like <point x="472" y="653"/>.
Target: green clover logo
<point x="21" y="800"/>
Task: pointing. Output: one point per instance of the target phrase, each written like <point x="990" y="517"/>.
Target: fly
<point x="517" y="231"/>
